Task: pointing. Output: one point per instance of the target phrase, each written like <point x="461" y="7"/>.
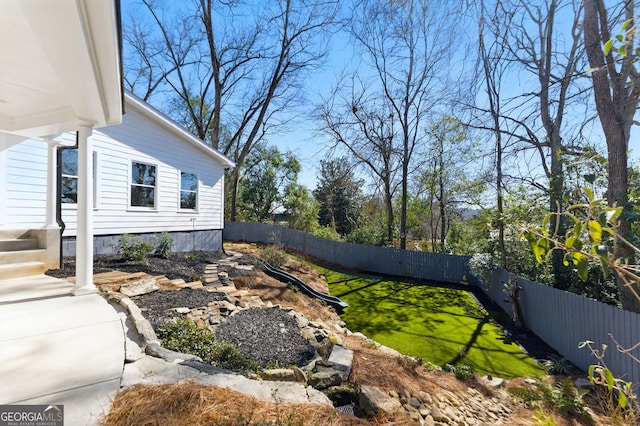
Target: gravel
<point x="158" y="306"/>
<point x="268" y="335"/>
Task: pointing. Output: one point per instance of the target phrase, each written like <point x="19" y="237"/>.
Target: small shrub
<point x="543" y="419"/>
<point x="326" y="232"/>
<point x="482" y="266"/>
<point x="274" y="256"/>
<point x="133" y="248"/>
<point x="184" y="335"/>
<point x="556" y="365"/>
<point x="562" y="397"/>
<point x="462" y="372"/>
<point x="530" y="397"/>
<point x="449" y="368"/>
<point x="163" y="244"/>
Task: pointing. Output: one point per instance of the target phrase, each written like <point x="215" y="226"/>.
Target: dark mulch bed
<point x="268" y="335"/>
<point x="158" y="307"/>
<point x="186" y="265"/>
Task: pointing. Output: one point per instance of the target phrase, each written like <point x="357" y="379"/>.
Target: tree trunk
<point x="389" y="207"/>
<point x="616" y="96"/>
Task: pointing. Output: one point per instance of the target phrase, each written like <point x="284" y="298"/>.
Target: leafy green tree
<point x="301" y="208"/>
<point x="267" y="175"/>
<point x="339" y="194"/>
<point x="372" y="224"/>
<point x="446" y="183"/>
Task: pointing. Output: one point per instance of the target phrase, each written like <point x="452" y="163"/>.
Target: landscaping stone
<point x="279" y="375"/>
<point x="139" y="287"/>
<point x="373" y="401"/>
<point x="325" y="379"/>
<point x="155" y="350"/>
<point x="342" y="359"/>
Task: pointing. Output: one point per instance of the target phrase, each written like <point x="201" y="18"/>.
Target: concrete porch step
<point x="34" y="255"/>
<point x="16" y="244"/>
<point x="21" y="269"/>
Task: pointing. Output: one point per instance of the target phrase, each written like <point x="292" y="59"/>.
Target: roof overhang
<point x="137" y="104"/>
<point x="60" y="65"/>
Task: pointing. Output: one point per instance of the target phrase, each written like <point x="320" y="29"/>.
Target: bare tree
<point x="616" y="88"/>
<point x="547" y="59"/>
<point x="404" y="45"/>
<point x="363" y="124"/>
<point x="492" y="60"/>
<point x="228" y="68"/>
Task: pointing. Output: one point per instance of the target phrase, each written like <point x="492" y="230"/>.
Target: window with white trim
<point x="69" y="165"/>
<point x="188" y="191"/>
<point x="143" y="185"/>
<point x="69" y="172"/>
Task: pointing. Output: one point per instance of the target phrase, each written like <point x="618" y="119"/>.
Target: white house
<point x="60" y="73"/>
<point x="61" y="98"/>
<point x="149" y="175"/>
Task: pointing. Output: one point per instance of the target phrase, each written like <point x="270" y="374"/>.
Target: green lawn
<point x="440" y="325"/>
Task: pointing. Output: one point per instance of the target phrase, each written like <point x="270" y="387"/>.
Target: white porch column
<point x="52" y="181"/>
<point x="2" y="186"/>
<point x="84" y="235"/>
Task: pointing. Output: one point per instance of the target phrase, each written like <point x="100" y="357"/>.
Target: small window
<point x="143" y="185"/>
<point x="188" y="191"/>
<point x="69" y="189"/>
<point x="69" y="166"/>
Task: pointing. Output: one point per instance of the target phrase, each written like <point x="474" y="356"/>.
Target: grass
<point x="438" y="324"/>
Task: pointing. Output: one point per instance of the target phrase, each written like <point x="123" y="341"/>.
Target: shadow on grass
<point x="462" y="353"/>
<point x="431" y="319"/>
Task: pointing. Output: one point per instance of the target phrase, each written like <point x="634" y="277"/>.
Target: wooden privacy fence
<point x="561" y="319"/>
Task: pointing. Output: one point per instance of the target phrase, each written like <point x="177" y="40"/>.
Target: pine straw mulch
<point x="191" y="404"/>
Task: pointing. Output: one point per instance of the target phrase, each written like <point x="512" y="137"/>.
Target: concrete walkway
<point x="56" y="348"/>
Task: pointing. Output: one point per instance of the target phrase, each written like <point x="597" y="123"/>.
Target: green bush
<point x="563" y="397"/>
<point x="557" y="365"/>
<point x="274" y="256"/>
<point x="327" y="232"/>
<point x="133" y="248"/>
<point x="462" y="372"/>
<point x="163" y="244"/>
<point x="184" y="335"/>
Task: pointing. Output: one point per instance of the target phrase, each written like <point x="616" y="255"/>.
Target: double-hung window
<point x="69" y="172"/>
<point x="188" y="191"/>
<point x="69" y="165"/>
<point x="143" y="185"/>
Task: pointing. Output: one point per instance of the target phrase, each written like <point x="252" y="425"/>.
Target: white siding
<point x="24" y="184"/>
<point x="139" y="139"/>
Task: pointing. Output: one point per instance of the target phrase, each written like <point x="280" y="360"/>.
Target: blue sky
<point x="302" y="137"/>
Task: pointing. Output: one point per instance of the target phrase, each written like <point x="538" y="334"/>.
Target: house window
<point x="69" y="172"/>
<point x="69" y="190"/>
<point x="143" y="185"/>
<point x="188" y="191"/>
